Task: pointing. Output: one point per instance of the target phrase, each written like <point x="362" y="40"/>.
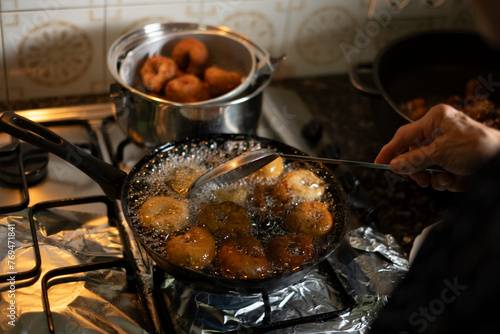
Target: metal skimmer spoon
<point x="249" y="162"/>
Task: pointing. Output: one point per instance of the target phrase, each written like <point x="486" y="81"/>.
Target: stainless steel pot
<point x="150" y="121"/>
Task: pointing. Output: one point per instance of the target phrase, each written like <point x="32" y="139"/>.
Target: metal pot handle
<point x="356" y="81"/>
<point x="109" y="178"/>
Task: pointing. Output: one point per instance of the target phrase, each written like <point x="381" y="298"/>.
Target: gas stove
<point x="70" y="263"/>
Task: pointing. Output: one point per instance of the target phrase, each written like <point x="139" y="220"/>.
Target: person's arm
<point x="443" y="137"/>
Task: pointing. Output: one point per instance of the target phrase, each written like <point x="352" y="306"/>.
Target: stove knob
<point x="312" y="131"/>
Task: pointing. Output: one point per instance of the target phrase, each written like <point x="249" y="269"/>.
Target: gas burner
<point x="34" y="160"/>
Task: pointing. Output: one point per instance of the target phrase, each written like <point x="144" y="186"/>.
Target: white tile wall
<point x="262" y="21"/>
<point x="47" y="5"/>
<point x="3" y="77"/>
<point x="58" y="47"/>
<point x="54" y="53"/>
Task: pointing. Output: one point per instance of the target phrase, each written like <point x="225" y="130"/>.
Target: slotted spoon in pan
<point x="249" y="162"/>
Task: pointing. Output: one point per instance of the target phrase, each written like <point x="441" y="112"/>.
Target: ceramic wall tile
<point x="319" y="32"/>
<point x="111" y="3"/>
<point x="61" y="55"/>
<point x="3" y="83"/>
<point x="47" y="5"/>
<point x="124" y="19"/>
<point x="264" y="22"/>
<point x="318" y="37"/>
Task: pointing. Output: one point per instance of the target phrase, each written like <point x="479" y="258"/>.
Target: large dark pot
<point x="430" y="65"/>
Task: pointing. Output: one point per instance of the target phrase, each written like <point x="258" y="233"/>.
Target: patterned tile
<point x="148" y="2"/>
<point x="319" y="33"/>
<point x="60" y="56"/>
<point x="59" y="47"/>
<point x="262" y="21"/>
<point x="47" y="5"/>
<point x="3" y="84"/>
<point x="124" y="19"/>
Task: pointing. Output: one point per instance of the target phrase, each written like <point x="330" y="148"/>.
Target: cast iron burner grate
<point x="54" y="276"/>
<point x="268" y="324"/>
<point x="23" y="165"/>
<point x="117" y="156"/>
<point x="12" y="154"/>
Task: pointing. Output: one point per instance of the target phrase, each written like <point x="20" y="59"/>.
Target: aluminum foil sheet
<point x="367" y="263"/>
<point x="93" y="302"/>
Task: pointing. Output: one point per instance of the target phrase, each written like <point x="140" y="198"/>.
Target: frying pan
<point x="116" y="184"/>
<point x="430" y="65"/>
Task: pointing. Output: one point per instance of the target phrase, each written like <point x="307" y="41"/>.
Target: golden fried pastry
<point x="165" y="214"/>
<point x="415" y="108"/>
<point x="271" y="171"/>
<point x="236" y="192"/>
<point x="191" y="55"/>
<point x="179" y="179"/>
<point x="220" y="82"/>
<point x="195" y="249"/>
<point x="157" y="71"/>
<point x="480" y="110"/>
<point x="289" y="252"/>
<point x="310" y="218"/>
<point x="224" y="219"/>
<point x="243" y="258"/>
<point x="187" y="88"/>
<point x="304" y="184"/>
<point x="271" y="199"/>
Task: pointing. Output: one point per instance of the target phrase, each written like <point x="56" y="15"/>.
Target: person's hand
<point x="443" y="137"/>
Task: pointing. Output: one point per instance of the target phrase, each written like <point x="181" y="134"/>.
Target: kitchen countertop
<point x="398" y="205"/>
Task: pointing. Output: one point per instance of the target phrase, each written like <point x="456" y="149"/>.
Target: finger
<point x="423" y="179"/>
<point x="441" y="181"/>
<point x="414" y="160"/>
<point x="401" y="142"/>
<point x="412" y="134"/>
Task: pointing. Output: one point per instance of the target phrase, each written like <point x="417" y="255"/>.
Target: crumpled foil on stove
<point x="92" y="302"/>
<point x="367" y="263"/>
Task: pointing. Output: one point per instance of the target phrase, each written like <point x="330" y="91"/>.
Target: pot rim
<point x="127" y="42"/>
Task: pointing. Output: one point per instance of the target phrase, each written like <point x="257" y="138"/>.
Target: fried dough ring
<point x="243" y="258"/>
<point x="304" y="184"/>
<point x="165" y="214"/>
<point x="310" y="218"/>
<point x="191" y="55"/>
<point x="195" y="249"/>
<point x="157" y="71"/>
<point x="186" y="88"/>
<point x="289" y="252"/>
<point x="272" y="199"/>
<point x="220" y="81"/>
<point x="272" y="170"/>
<point x="236" y="192"/>
<point x="180" y="178"/>
<point x="224" y="219"/>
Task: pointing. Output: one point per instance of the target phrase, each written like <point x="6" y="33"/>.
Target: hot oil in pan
<point x="159" y="177"/>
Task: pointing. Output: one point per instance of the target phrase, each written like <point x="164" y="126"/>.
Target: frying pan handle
<point x="109" y="178"/>
<point x="356" y="81"/>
